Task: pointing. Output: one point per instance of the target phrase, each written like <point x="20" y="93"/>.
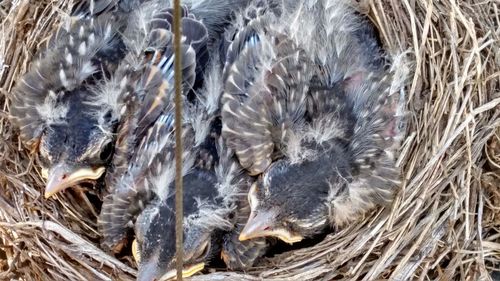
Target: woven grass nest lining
<point x="444" y="223"/>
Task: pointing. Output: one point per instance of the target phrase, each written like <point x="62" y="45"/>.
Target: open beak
<point x="262" y="225"/>
<point x="63" y="176"/>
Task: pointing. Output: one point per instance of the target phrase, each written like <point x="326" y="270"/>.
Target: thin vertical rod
<point x="178" y="140"/>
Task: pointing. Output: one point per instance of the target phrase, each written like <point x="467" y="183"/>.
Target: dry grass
<point x="443" y="225"/>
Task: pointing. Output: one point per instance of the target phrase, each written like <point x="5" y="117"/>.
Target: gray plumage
<point x="143" y="168"/>
<point x="144" y="148"/>
<point x="73" y="56"/>
<point x="55" y="96"/>
<point x="310" y="107"/>
<point x="214" y="14"/>
<point x="98" y="7"/>
<point x="214" y="188"/>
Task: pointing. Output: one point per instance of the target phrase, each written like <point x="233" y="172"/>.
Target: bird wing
<point x="149" y="175"/>
<point x="144" y="155"/>
<point x="264" y="95"/>
<point x="239" y="255"/>
<point x="149" y="44"/>
<point x="99" y="7"/>
<point x="74" y="54"/>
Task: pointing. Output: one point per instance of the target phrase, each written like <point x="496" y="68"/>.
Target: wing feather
<point x="73" y="56"/>
<point x="264" y="95"/>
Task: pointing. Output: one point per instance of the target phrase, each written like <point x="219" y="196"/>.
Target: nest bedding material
<point x="443" y="225"/>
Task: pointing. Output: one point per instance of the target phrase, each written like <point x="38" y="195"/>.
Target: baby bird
<point x="53" y="106"/>
<point x="142" y="181"/>
<point x="69" y="105"/>
<point x="309" y="107"/>
<point x="148" y="69"/>
<point x="214" y="184"/>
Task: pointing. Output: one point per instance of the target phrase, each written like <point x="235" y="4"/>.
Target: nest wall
<point x="443" y="225"/>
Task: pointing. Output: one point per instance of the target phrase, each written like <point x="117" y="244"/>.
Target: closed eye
<point x="106" y="152"/>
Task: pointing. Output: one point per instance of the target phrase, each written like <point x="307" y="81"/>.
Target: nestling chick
<point x="142" y="180"/>
<point x="315" y="114"/>
<point x="210" y="192"/>
<point x="214" y="185"/>
<point x="148" y="69"/>
<point x="52" y="103"/>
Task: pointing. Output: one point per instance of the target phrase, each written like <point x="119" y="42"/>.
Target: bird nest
<point x="444" y="223"/>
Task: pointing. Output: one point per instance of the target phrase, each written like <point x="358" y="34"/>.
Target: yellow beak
<point x="63" y="176"/>
<point x="186" y="272"/>
<point x="135" y="252"/>
<point x="262" y="225"/>
<point x="171" y="274"/>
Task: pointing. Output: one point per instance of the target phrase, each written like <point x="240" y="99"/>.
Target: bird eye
<point x="106" y="152"/>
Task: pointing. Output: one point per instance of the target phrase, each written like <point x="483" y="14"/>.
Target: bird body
<point x="142" y="174"/>
<point x="144" y="146"/>
<point x="55" y="97"/>
<point x="214" y="187"/>
<point x="309" y="107"/>
<point x="69" y="105"/>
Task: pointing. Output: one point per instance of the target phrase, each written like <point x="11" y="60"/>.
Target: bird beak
<point x="262" y="225"/>
<point x="135" y="252"/>
<point x="188" y="271"/>
<point x="63" y="176"/>
<point x="149" y="271"/>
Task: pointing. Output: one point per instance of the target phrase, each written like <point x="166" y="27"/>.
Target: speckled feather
<point x="147" y="179"/>
<point x="143" y="163"/>
<point x="338" y="155"/>
<point x="98" y="7"/>
<point x="241" y="255"/>
<point x="264" y="94"/>
<point x="148" y="175"/>
<point x="74" y="56"/>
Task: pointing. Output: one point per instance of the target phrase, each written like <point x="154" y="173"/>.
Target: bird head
<point x="61" y="115"/>
<point x="204" y="220"/>
<point x="77" y="149"/>
<point x="290" y="200"/>
<point x="154" y="247"/>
